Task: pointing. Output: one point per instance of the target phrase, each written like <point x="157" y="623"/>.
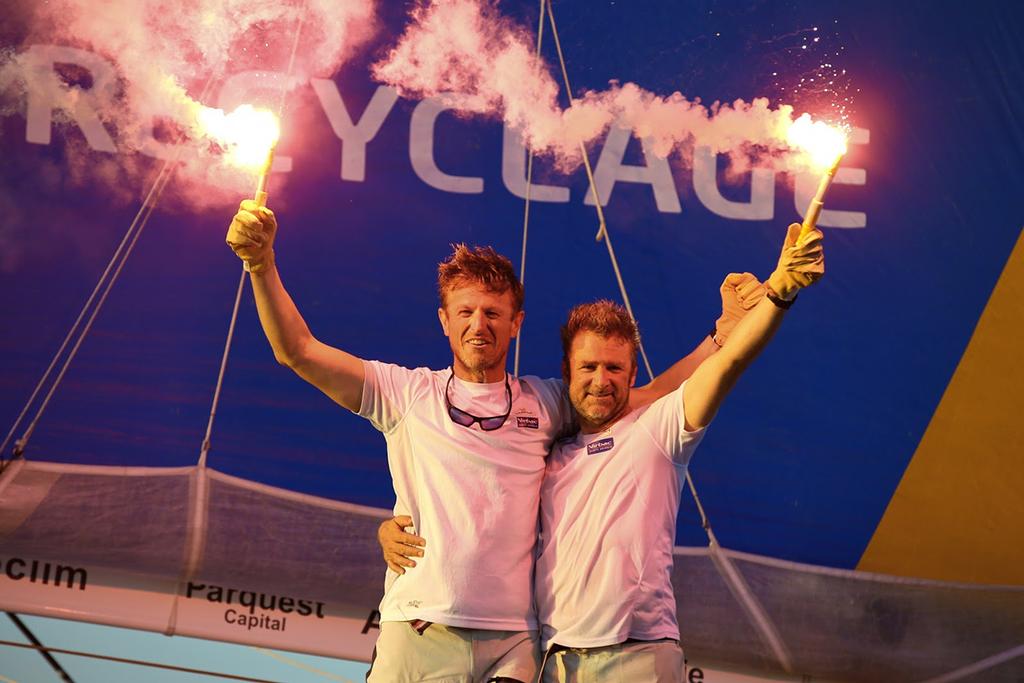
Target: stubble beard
<point x="481" y="362"/>
<point x="600" y="417"/>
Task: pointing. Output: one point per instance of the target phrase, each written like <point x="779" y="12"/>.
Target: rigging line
<point x="756" y="614"/>
<point x="138" y="224"/>
<point x="602" y="231"/>
<point x="979" y="666"/>
<point x="705" y="524"/>
<point x="147" y="211"/>
<point x="300" y="665"/>
<point x="526" y="207"/>
<point x="27" y="632"/>
<point x="205" y="447"/>
<point x="291" y="60"/>
<point x="223" y="368"/>
<point x="85" y="307"/>
<point x="138" y="662"/>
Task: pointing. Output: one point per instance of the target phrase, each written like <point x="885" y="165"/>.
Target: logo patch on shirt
<point x="527" y="422"/>
<point x="600" y="446"/>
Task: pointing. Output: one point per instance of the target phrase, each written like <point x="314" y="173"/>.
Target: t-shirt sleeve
<point x="665" y="421"/>
<point x="389" y="391"/>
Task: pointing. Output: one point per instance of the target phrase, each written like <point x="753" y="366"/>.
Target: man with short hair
<point x="611" y="493"/>
<point x="466" y="450"/>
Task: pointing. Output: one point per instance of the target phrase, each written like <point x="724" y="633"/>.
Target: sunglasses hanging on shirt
<point x="461" y="417"/>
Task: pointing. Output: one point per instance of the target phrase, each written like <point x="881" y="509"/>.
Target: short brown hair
<point x="602" y="317"/>
<point x="481" y="265"/>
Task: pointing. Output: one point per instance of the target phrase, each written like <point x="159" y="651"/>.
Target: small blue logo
<point x="527" y="422"/>
<point x="600" y="446"/>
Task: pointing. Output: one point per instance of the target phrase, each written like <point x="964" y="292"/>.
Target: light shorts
<point x="633" y="661"/>
<point x="446" y="654"/>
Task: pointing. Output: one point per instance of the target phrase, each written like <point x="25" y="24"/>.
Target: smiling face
<point x="600" y="372"/>
<point x="479" y="324"/>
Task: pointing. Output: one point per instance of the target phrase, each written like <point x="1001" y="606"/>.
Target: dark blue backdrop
<point x="803" y="459"/>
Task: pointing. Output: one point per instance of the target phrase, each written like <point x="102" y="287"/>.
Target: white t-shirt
<point x="608" y="513"/>
<point x="473" y="495"/>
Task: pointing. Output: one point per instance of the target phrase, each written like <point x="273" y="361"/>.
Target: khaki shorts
<point x="659" y="661"/>
<point x="446" y="654"/>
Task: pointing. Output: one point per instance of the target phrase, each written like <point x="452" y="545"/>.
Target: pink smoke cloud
<point x="483" y="63"/>
<point x="161" y="53"/>
<point x="465" y="52"/>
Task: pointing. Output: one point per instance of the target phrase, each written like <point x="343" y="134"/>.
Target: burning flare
<point x="248" y="134"/>
<point x="825" y="145"/>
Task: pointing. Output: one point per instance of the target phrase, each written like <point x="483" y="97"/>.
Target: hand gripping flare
<point x="802" y="261"/>
<point x="251" y="235"/>
<point x="260" y="199"/>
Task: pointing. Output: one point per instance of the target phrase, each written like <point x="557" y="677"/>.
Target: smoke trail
<point x="147" y="60"/>
<point x="481" y="62"/>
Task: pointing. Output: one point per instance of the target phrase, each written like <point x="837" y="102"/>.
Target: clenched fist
<point x="801" y="264"/>
<point x="251" y="235"/>
<point x="740" y="293"/>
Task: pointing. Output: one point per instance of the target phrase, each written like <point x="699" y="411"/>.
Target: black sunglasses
<point x="461" y="417"/>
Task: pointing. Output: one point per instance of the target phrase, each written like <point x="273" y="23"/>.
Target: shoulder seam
<point x="412" y="401"/>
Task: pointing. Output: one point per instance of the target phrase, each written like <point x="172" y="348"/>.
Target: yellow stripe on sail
<point x="958" y="512"/>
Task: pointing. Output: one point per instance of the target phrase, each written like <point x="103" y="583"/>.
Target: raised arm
<point x="801" y="264"/>
<point x="335" y="372"/>
<point x="740" y="293"/>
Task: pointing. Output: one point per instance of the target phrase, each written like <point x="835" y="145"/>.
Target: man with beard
<point x="466" y="451"/>
<point x="611" y="492"/>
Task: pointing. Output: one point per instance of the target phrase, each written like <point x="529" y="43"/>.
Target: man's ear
<point x="442" y="315"/>
<point x="632" y="378"/>
<point x="517" y="322"/>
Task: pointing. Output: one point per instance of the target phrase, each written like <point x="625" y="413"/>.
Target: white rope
<point x="116" y="263"/>
<point x="291" y="61"/>
<point x="756" y="613"/>
<point x="526" y="206"/>
<point x="705" y="524"/>
<point x="136" y="662"/>
<point x="979" y="666"/>
<point x="136" y="226"/>
<point x="602" y="231"/>
<point x="737" y="584"/>
<point x="204" y="448"/>
<point x="301" y="665"/>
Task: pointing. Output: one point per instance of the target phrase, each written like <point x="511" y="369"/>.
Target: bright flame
<point x="248" y="134"/>
<point x="824" y="144"/>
